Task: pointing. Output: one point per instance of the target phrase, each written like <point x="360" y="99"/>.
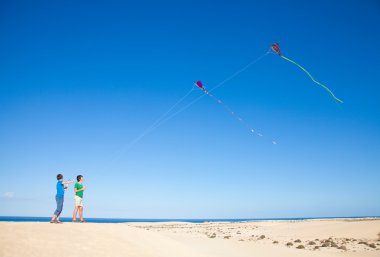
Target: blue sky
<point x="80" y="81"/>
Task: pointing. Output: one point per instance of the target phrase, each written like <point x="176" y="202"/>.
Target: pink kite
<point x="200" y="85"/>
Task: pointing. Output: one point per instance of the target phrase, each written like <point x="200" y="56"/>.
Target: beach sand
<point x="169" y="239"/>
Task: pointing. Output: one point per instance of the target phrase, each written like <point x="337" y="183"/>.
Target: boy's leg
<point x="58" y="211"/>
<point x="77" y="204"/>
<point x="53" y="218"/>
<point x="75" y="213"/>
<point x="60" y="208"/>
<point x="81" y="213"/>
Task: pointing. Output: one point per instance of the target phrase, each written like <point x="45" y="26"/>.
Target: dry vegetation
<point x="244" y="232"/>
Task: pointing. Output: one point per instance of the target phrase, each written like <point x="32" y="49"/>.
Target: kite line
<point x="166" y="116"/>
<point x="217" y="86"/>
<point x="148" y="129"/>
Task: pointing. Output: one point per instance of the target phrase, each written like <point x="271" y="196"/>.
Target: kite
<point x="276" y="48"/>
<point x="200" y="85"/>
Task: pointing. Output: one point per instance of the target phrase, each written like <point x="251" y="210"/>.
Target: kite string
<point x="164" y="118"/>
<point x="312" y="78"/>
<point x="240" y="71"/>
<point x="217" y="86"/>
<point x="172" y="107"/>
<point x="178" y="112"/>
<point x="149" y="129"/>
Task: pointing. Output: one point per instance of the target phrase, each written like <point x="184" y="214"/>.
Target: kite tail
<point x="241" y="120"/>
<point x="314" y="80"/>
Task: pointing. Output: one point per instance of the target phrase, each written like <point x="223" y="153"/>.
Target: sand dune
<point x="269" y="238"/>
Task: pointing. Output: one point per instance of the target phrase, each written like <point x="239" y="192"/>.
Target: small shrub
<point x="363" y="243"/>
<point x="333" y="244"/>
<point x="325" y="245"/>
<point x="300" y="247"/>
<point x="297" y="241"/>
<point x="226" y="237"/>
<point x="289" y="244"/>
<point x="342" y="248"/>
<point x="316" y="247"/>
<point x="262" y="237"/>
<point x="372" y="245"/>
<point x="275" y="242"/>
<point x="212" y="236"/>
<point x="311" y="243"/>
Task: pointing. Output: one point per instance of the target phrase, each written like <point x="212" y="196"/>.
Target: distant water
<point x="111" y="220"/>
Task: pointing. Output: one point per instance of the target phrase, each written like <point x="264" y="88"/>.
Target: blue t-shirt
<point x="60" y="189"/>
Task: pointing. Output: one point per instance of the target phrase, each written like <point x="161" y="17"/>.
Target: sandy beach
<point x="260" y="238"/>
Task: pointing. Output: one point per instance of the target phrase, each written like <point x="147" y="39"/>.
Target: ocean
<point x="119" y="220"/>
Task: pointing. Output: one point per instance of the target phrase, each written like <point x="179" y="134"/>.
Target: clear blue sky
<point x="80" y="81"/>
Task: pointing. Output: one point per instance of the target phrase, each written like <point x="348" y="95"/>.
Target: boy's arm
<point x="68" y="182"/>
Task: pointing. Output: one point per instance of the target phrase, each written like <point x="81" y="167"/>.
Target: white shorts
<point x="78" y="201"/>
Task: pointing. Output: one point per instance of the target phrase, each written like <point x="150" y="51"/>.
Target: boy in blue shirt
<point x="59" y="197"/>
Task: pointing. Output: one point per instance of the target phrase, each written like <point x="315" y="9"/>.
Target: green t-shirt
<point x="79" y="186"/>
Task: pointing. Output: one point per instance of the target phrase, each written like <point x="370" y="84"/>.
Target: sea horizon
<point x="132" y="220"/>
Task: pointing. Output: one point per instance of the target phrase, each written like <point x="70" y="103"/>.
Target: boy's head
<point x="59" y="176"/>
<point x="79" y="178"/>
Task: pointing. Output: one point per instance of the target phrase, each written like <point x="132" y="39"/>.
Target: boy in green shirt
<point x="78" y="189"/>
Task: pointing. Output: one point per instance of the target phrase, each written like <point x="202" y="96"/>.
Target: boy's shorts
<point x="78" y="201"/>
